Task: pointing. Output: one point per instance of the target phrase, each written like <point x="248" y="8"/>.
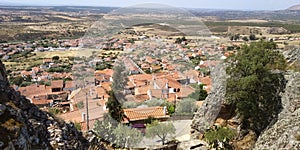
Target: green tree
<point x="127" y="137"/>
<point x="252" y="37"/>
<point x="161" y="130"/>
<point x="217" y="135"/>
<point x="55" y="57"/>
<point x="116" y="133"/>
<point x="186" y="107"/>
<point x="105" y="128"/>
<point x="199" y="94"/>
<point x="18" y="80"/>
<point x="114" y="107"/>
<point x="170" y="106"/>
<point x="120" y="80"/>
<point x="245" y="38"/>
<point x="253" y="89"/>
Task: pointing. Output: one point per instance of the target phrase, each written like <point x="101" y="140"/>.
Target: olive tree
<point x="161" y="130"/>
<point x="253" y="86"/>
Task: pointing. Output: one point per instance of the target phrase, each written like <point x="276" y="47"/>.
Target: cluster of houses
<point x="53" y="95"/>
<point x="9" y="49"/>
<point x="150" y="77"/>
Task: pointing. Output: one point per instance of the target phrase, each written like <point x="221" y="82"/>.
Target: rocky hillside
<point x="285" y="133"/>
<point x="25" y="126"/>
<point x="282" y="133"/>
<point x="209" y="111"/>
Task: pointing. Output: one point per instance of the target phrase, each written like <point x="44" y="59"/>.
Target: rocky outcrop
<point x="25" y="126"/>
<point x="192" y="144"/>
<point x="292" y="55"/>
<point x="283" y="134"/>
<point x="208" y="112"/>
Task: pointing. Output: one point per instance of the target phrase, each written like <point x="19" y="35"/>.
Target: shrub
<point x="54" y="111"/>
<point x="219" y="134"/>
<point x="297" y="137"/>
<point x="77" y="125"/>
<point x="80" y="105"/>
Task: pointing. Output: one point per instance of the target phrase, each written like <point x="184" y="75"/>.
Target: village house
<point x="139" y="115"/>
<point x="103" y="76"/>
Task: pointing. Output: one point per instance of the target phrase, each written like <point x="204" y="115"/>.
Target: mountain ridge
<point x="294" y="7"/>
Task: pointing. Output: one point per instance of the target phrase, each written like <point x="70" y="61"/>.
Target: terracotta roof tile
<point x="141" y="90"/>
<point x="34" y="90"/>
<point x="205" y="80"/>
<point x="134" y="114"/>
<point x="106" y="85"/>
<point x="57" y="83"/>
<point x="185" y="91"/>
<point x="108" y="72"/>
<point x="141" y="98"/>
<point x="69" y="84"/>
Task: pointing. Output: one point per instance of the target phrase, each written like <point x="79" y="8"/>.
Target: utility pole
<point x="87" y="112"/>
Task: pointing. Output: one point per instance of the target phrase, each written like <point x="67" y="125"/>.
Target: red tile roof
<point x="205" y="80"/>
<point x="141" y="90"/>
<point x="106" y="85"/>
<point x="57" y="83"/>
<point x="185" y="91"/>
<point x="108" y="72"/>
<point x="32" y="90"/>
<point x="69" y="84"/>
<point x="141" y="98"/>
<point x="134" y="114"/>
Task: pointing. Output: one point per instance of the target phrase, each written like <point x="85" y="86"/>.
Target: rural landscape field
<point x="125" y="75"/>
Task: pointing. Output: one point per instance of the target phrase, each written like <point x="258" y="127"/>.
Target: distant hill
<point x="295" y="7"/>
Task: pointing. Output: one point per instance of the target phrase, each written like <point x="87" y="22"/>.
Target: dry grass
<point x="11" y="124"/>
<point x="66" y="53"/>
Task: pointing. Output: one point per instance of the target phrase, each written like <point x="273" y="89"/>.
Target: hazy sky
<point x="217" y="4"/>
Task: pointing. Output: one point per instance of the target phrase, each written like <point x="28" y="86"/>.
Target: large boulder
<point x="209" y="111"/>
<point x="284" y="132"/>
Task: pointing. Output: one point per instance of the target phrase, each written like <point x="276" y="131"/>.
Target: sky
<point x="208" y="4"/>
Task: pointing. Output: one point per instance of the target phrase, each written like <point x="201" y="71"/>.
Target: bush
<point x="219" y="134"/>
<point x="186" y="107"/>
<point x="154" y="102"/>
<point x="55" y="57"/>
<point x="252" y="89"/>
<point x="116" y="133"/>
<point x="77" y="125"/>
<point x="199" y="94"/>
<point x="297" y="137"/>
<point x="54" y="111"/>
<point x="130" y="105"/>
<point x="80" y="105"/>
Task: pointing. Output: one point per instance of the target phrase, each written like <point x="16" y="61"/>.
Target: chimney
<point x="149" y="94"/>
<point x="165" y="110"/>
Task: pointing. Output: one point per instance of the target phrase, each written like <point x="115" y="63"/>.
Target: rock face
<point x="208" y="112"/>
<point x="192" y="144"/>
<point x="283" y="134"/>
<point x="25" y="126"/>
<point x="292" y="55"/>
